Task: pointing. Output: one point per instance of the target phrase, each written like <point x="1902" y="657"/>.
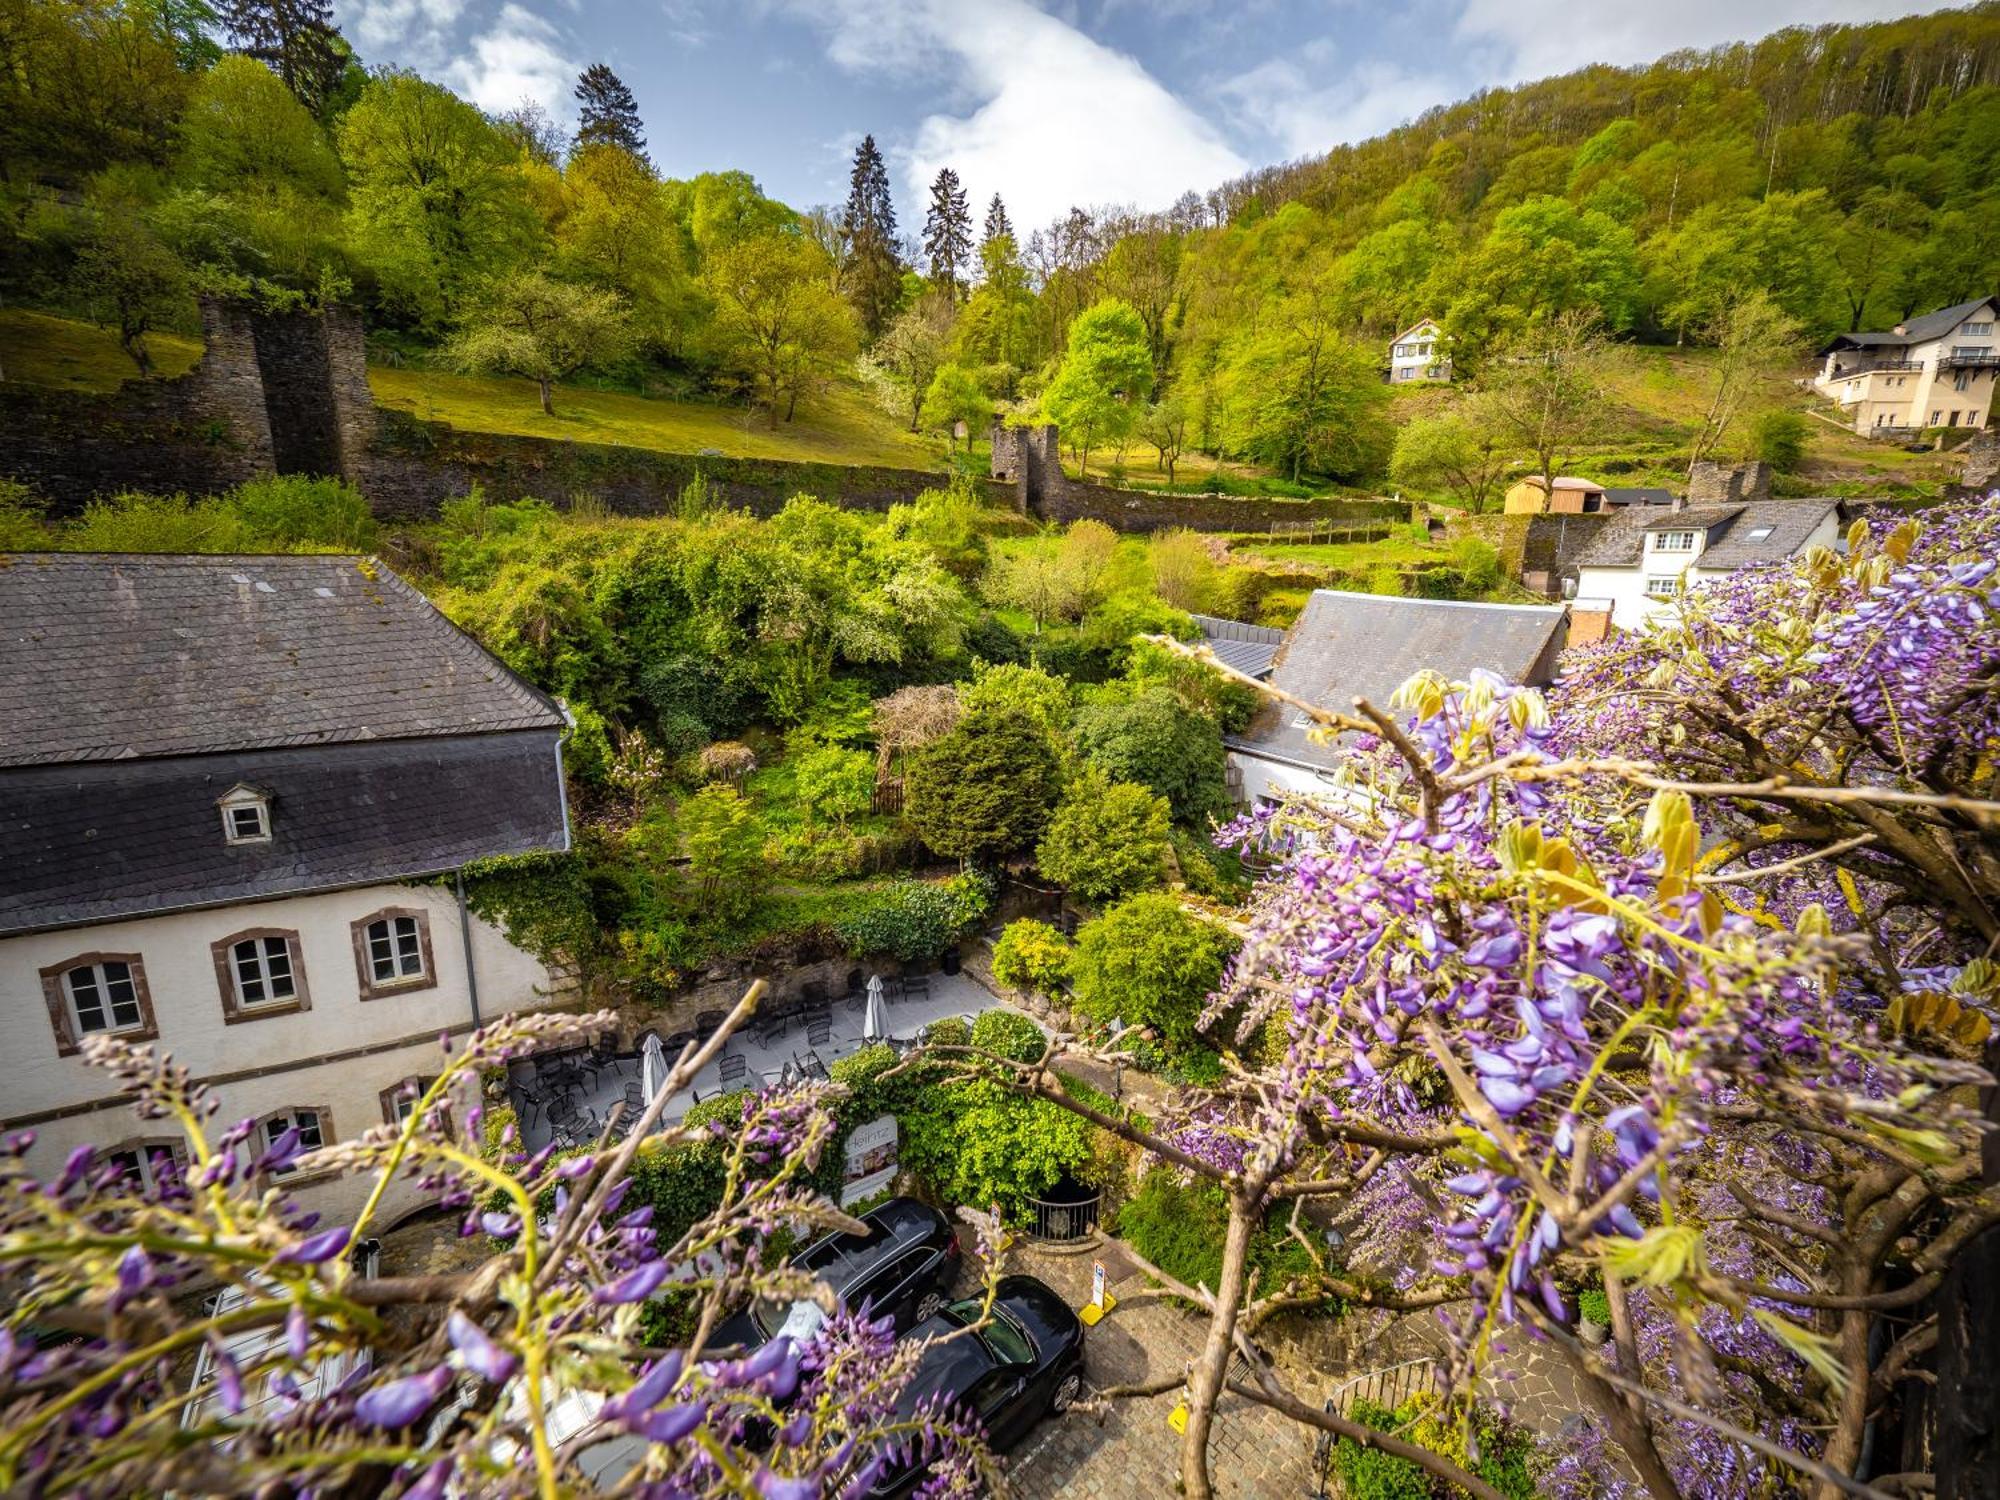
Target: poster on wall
<point x="871" y="1160"/>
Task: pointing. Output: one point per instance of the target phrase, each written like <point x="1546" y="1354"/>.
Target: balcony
<point x="1969" y="359"/>
<point x="1852" y="372"/>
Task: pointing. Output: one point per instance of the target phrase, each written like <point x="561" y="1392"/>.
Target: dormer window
<point x="246" y="815"/>
<point x="1674" y="541"/>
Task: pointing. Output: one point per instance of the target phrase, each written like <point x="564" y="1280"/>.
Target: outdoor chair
<point x="675" y="1045"/>
<point x="635" y="1096"/>
<point x="706" y="1022"/>
<point x="819" y="1028"/>
<point x="916" y="987"/>
<point x="733" y="1067"/>
<point x="815" y="1066"/>
<point x="775" y="1026"/>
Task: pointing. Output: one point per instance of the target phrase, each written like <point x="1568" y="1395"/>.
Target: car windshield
<point x="1003" y="1334"/>
<point x="797" y="1321"/>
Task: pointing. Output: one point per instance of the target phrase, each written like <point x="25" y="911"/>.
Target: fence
<point x="1388" y="1387"/>
<point x="888" y="798"/>
<point x="1065" y="1221"/>
<point x="1329" y="532"/>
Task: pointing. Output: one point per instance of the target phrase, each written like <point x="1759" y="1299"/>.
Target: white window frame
<point x="143" y="1154"/>
<point x="101" y="982"/>
<point x="1662" y="586"/>
<point x="403" y="939"/>
<point x="1673" y="541"/>
<point x="266" y="975"/>
<point x="1976" y="330"/>
<point x="236" y="802"/>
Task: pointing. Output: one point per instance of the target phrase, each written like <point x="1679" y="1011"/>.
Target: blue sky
<point x="1091" y="102"/>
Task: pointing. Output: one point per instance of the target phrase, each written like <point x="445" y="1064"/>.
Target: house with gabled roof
<point x="1645" y="555"/>
<point x="1346" y="646"/>
<point x="1938" y="370"/>
<point x="234" y="793"/>
<point x="1418" y="353"/>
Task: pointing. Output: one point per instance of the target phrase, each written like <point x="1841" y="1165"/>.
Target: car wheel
<point x="1067" y="1390"/>
<point x="928" y="1308"/>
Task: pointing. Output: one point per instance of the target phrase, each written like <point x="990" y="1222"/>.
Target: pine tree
<point x="874" y="275"/>
<point x="948" y="231"/>
<point x="609" y="116"/>
<point x="296" y="39"/>
<point x="997" y="223"/>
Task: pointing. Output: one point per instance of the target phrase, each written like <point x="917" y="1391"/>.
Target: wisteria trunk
<point x="1211" y="1370"/>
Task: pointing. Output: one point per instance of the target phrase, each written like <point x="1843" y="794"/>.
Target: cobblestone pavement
<point x="1130" y="1453"/>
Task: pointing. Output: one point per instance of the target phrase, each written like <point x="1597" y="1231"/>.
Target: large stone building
<point x="227" y="785"/>
<point x="1935" y="371"/>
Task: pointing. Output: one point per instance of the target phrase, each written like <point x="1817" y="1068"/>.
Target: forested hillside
<point x="1753" y="198"/>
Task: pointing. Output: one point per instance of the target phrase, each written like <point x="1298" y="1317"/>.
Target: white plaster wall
<point x="187" y="1006"/>
<point x="1276" y="779"/>
<point x="1626" y="587"/>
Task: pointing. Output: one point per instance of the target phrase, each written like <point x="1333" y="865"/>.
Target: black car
<point x="903" y="1268"/>
<point x="1024" y="1364"/>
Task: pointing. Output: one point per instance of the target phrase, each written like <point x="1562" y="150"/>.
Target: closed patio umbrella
<point x="653" y="1067"/>
<point x="872" y="1029"/>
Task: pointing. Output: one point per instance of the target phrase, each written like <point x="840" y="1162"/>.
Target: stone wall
<point x="1982" y="463"/>
<point x="1713" y="483"/>
<point x="1028" y="460"/>
<point x="413" y="466"/>
<point x="202" y="431"/>
<point x="1540" y="551"/>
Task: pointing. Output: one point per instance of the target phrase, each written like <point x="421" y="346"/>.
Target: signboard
<point x="1097" y="1283"/>
<point x="871" y="1160"/>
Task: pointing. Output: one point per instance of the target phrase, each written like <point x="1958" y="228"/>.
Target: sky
<point x="1090" y="102"/>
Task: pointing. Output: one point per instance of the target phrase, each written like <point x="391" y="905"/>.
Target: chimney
<point x="1589" y="621"/>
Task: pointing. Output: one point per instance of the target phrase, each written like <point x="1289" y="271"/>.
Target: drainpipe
<point x="465" y="938"/>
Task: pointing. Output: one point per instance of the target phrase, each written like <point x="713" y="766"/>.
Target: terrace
<point x="567" y="1096"/>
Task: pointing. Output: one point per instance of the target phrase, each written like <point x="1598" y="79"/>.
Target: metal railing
<point x="1969" y="358"/>
<point x="1065" y="1221"/>
<point x="1388" y="1387"/>
<point x="1850" y="372"/>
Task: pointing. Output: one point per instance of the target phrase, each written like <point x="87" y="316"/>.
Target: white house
<point x="1347" y="646"/>
<point x="1641" y="556"/>
<point x="1417" y="354"/>
<point x="225" y="785"/>
<point x="1935" y="371"/>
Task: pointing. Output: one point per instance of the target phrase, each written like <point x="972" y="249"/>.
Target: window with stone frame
<point x="98" y="994"/>
<point x="392" y="952"/>
<point x="260" y="973"/>
<point x="146" y="1161"/>
<point x="314" y="1124"/>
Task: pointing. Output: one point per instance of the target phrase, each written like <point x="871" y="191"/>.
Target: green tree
<point x="1755" y="341"/>
<point x="1157" y="741"/>
<point x="1545" y="395"/>
<point x="996" y="328"/>
<point x="1183" y="571"/>
<point x="616" y="227"/>
<point x="874" y="271"/>
<point x="948" y="232"/>
<point x="437" y="200"/>
<point x="1010" y="688"/>
<point x="127" y="277"/>
<point x="985" y="790"/>
<point x="532" y="325"/>
<point x="1781" y="439"/>
<point x="1299" y="396"/>
<point x="1105" y="377"/>
<point x="780" y="324"/>
<point x="835" y="784"/>
<point x="1148" y="962"/>
<point x="914" y="346"/>
<point x="724" y="843"/>
<point x="1165" y="425"/>
<point x="607" y="114"/>
<point x="296" y="39"/>
<point x="1106" y="840"/>
<point x="243" y="129"/>
<point x="1454" y="452"/>
<point x="955" y="396"/>
<point x="1542" y="258"/>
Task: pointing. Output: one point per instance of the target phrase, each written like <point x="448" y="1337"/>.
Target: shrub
<point x="135" y="522"/>
<point x="727" y="760"/>
<point x="947" y="1031"/>
<point x="1005" y="688"/>
<point x="1156" y="741"/>
<point x="835" y="784"/>
<point x="909" y="920"/>
<point x="1107" y="839"/>
<point x="1179" y="1226"/>
<point x="985" y="790"/>
<point x="290" y="510"/>
<point x="1781" y="439"/>
<point x="1501" y="1450"/>
<point x="1593" y="1306"/>
<point x="22" y="526"/>
<point x="1477" y="564"/>
<point x="1009" y="1034"/>
<point x="814" y="853"/>
<point x="1149" y="963"/>
<point x="1032" y="955"/>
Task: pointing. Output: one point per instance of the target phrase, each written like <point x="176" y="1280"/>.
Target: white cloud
<point x="1045" y="116"/>
<point x="1537" y="38"/>
<point x="406" y="30"/>
<point x="518" y="57"/>
<point x="1285" y="100"/>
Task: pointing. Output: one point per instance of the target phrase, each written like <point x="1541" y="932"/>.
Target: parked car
<point x="1026" y="1363"/>
<point x="903" y="1268"/>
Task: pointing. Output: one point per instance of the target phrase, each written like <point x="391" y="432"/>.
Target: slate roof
<point x="1638" y="495"/>
<point x="1620" y="541"/>
<point x="123" y="655"/>
<point x="1348" y="646"/>
<point x="102" y="840"/>
<point x="1248" y="648"/>
<point x="1932" y="325"/>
